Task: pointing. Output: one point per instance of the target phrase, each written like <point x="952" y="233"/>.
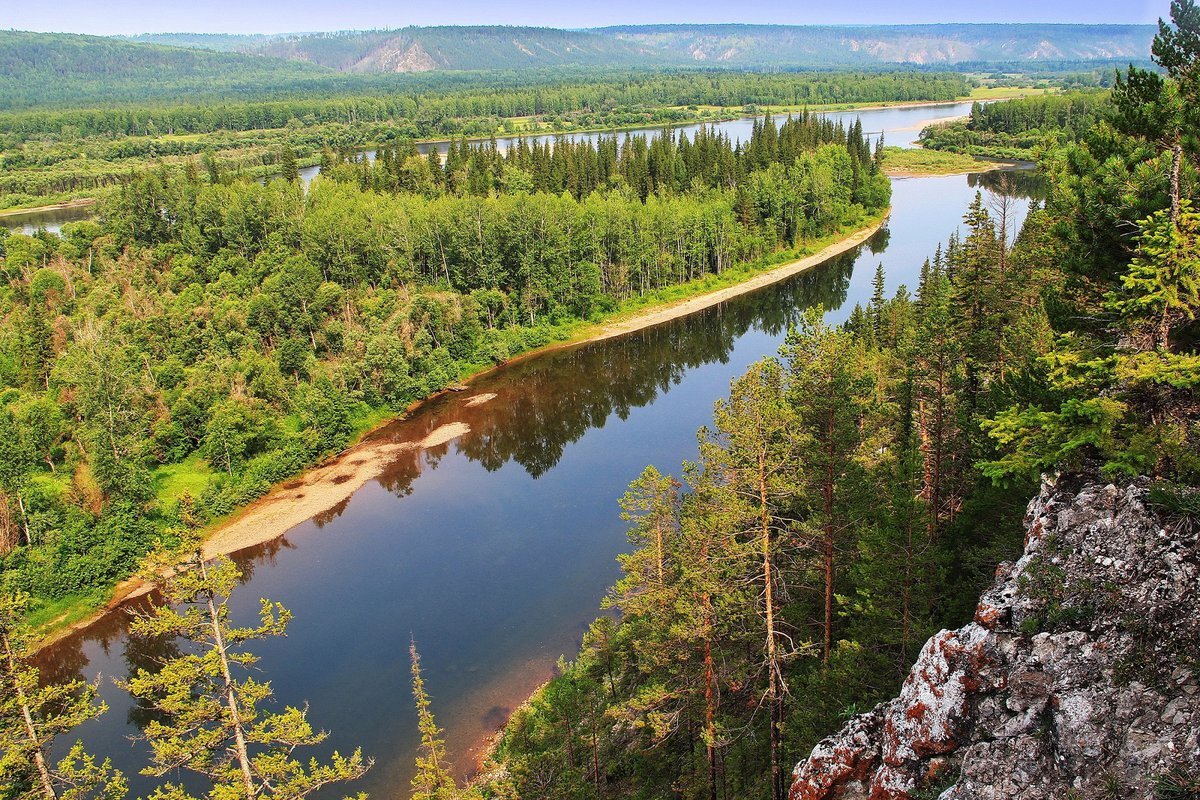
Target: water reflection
<point x="546" y="403"/>
<point x="1025" y="184"/>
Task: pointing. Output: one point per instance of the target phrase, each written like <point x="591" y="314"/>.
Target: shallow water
<point x="52" y="219"/>
<point x="494" y="550"/>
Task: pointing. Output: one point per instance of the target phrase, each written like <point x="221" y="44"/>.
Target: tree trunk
<point x="235" y="717"/>
<point x="24" y="521"/>
<point x="827" y="493"/>
<point x="773" y="693"/>
<point x="39" y="758"/>
<point x="1176" y="168"/>
<point x="710" y="699"/>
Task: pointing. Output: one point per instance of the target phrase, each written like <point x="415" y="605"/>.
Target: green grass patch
<point x="191" y="475"/>
<point x="1008" y="92"/>
<point x="55" y="615"/>
<point x="918" y="161"/>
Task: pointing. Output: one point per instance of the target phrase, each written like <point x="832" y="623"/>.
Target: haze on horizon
<point x="285" y="16"/>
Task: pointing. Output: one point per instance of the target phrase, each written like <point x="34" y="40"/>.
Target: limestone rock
<point x="1079" y="676"/>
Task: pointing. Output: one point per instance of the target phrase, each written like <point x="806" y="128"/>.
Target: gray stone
<point x="1109" y="696"/>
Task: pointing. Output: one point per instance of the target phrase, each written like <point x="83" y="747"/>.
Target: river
<point x="494" y="550"/>
<point x="901" y="124"/>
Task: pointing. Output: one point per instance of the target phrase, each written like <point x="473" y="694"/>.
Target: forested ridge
<point x="211" y="336"/>
<point x="417" y="48"/>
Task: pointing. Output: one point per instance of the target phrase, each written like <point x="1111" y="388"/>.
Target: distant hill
<point x="835" y="45"/>
<point x="39" y="68"/>
<point x="49" y="69"/>
<point x="221" y="42"/>
<point x="461" y="48"/>
<point x="416" y="49"/>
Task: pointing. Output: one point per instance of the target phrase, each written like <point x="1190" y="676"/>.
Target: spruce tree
<point x="288" y="169"/>
<point x="433" y="780"/>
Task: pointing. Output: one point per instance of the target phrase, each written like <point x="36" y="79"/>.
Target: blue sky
<point x="275" y="16"/>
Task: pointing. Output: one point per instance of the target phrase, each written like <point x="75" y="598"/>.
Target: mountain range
<point x="423" y="49"/>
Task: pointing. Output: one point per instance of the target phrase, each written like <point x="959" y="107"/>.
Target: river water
<point x="494" y="550"/>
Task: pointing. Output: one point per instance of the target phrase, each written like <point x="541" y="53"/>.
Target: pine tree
<point x="288" y="169"/>
<point x="753" y="449"/>
<point x="210" y="721"/>
<point x="32" y="716"/>
<point x="828" y="394"/>
<point x="1165" y="109"/>
<point x="433" y="780"/>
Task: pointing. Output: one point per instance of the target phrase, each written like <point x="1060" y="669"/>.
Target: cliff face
<point x="1078" y="678"/>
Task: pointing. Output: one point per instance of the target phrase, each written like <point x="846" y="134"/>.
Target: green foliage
<point x="33" y="715"/>
<point x="208" y="720"/>
<point x="1022" y="128"/>
<point x="832" y="523"/>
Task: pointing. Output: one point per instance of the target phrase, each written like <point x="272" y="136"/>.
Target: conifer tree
<point x="828" y="395"/>
<point x="433" y="780"/>
<point x="32" y="716"/>
<point x="754" y="451"/>
<point x="211" y="722"/>
<point x="288" y="169"/>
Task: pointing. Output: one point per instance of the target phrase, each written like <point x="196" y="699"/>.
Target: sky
<point x="106" y="17"/>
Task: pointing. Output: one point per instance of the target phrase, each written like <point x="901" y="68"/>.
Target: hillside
<point x="794" y="45"/>
<point x="460" y="48"/>
<point x="41" y="68"/>
<point x="221" y="42"/>
<point x="416" y="49"/>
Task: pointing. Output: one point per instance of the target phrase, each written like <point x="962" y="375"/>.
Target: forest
<point x="1021" y="129"/>
<point x="50" y="155"/>
<point x="210" y="335"/>
<point x="853" y="494"/>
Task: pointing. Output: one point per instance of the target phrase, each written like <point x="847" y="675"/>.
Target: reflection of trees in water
<point x="64" y="660"/>
<point x="545" y="403"/>
<point x="880" y="240"/>
<point x="148" y="653"/>
<point x="1025" y="184"/>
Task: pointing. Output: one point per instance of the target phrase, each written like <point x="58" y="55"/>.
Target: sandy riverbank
<point x="80" y="203"/>
<point x="323" y="487"/>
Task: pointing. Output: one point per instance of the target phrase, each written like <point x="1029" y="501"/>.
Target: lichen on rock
<point x="1079" y="676"/>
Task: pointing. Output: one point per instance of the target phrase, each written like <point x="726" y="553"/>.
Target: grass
<point x="191" y="475"/>
<point x="58" y="615"/>
<point x="1008" y="92"/>
<point x="917" y="161"/>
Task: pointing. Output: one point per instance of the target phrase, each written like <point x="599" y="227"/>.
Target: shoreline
<point x="81" y="202"/>
<point x="324" y="486"/>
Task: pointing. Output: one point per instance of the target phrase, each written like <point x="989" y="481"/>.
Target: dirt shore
<point x="80" y="203"/>
<point x="325" y="486"/>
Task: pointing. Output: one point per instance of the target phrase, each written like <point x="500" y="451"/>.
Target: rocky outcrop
<point x="1078" y="678"/>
